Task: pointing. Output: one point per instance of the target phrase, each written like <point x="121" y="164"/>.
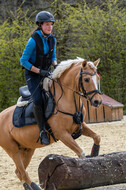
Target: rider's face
<point x="47" y="27"/>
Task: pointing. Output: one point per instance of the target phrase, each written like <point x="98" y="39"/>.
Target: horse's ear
<point x="97" y="62"/>
<point x="84" y="63"/>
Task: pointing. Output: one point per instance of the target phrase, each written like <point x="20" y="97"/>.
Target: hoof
<point x="95" y="150"/>
<point x="26" y="186"/>
<point x="88" y="156"/>
<point x="35" y="186"/>
<point x="82" y="155"/>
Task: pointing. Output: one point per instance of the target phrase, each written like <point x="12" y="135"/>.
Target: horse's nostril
<point x="97" y="103"/>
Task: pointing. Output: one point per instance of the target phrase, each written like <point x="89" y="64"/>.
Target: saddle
<point x="24" y="112"/>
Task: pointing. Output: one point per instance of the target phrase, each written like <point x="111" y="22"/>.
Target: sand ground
<point x="113" y="139"/>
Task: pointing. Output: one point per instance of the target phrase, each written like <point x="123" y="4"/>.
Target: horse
<point x="73" y="81"/>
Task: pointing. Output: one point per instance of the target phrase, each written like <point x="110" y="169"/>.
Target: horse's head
<point x="88" y="82"/>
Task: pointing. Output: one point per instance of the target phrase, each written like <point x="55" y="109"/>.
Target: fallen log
<point x="64" y="173"/>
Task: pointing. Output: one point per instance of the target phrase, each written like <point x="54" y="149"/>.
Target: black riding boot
<point x="39" y="116"/>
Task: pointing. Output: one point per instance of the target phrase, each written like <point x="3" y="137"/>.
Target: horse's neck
<point x="69" y="82"/>
<point x="70" y="78"/>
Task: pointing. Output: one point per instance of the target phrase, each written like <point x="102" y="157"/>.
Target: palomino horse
<point x="73" y="80"/>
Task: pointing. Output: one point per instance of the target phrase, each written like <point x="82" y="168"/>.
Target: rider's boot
<point x="39" y="116"/>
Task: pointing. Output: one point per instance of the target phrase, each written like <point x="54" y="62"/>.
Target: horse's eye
<point x="86" y="79"/>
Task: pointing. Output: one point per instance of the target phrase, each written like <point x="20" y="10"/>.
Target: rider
<point x="39" y="54"/>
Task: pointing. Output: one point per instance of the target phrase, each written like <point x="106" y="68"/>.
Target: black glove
<point x="55" y="66"/>
<point x="44" y="73"/>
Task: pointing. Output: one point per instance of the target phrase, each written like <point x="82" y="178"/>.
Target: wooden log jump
<point x="64" y="173"/>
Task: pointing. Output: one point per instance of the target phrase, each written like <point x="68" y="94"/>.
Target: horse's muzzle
<point x="96" y="103"/>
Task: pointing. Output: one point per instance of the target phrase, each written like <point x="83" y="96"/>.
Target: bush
<point x="81" y="30"/>
<point x="14" y="34"/>
<point x="94" y="33"/>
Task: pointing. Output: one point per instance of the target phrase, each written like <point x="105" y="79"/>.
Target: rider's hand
<point x="44" y="73"/>
<point x="55" y="66"/>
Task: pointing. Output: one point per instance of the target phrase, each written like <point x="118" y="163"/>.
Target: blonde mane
<point x="64" y="65"/>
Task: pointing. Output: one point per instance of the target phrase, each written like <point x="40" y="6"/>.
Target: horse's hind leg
<point x="21" y="158"/>
<point x="26" y="155"/>
<point x="89" y="133"/>
<point x="16" y="154"/>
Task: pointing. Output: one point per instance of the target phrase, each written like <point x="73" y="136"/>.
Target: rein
<point x="77" y="116"/>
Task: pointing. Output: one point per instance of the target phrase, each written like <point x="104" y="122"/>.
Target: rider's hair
<point x="38" y="28"/>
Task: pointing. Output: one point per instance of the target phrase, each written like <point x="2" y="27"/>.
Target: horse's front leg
<point x="89" y="133"/>
<point x="67" y="139"/>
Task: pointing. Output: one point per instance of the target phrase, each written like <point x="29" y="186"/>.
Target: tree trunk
<point x="64" y="173"/>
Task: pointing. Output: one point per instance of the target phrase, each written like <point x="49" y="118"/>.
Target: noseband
<point x="81" y="86"/>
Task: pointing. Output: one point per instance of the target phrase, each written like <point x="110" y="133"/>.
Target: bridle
<point x="81" y="86"/>
<point x="82" y="92"/>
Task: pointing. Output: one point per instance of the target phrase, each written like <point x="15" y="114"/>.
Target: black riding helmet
<point x="44" y="16"/>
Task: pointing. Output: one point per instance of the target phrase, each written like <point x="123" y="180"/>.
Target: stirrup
<point x="39" y="136"/>
<point x="43" y="138"/>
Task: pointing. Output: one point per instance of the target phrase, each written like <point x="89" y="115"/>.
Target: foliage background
<point x="83" y="28"/>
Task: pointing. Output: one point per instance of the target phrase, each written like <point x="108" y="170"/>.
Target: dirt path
<point x="113" y="139"/>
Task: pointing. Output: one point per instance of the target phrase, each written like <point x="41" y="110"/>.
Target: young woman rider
<point x="39" y="54"/>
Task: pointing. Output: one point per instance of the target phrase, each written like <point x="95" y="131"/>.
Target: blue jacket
<point x="30" y="51"/>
